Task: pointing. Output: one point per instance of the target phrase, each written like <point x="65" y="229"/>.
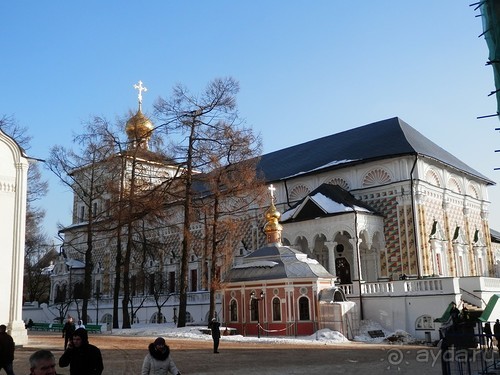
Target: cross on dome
<point x="140" y="88"/>
<point x="272" y="189"/>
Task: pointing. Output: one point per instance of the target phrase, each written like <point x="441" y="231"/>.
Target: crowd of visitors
<point x="82" y="357"/>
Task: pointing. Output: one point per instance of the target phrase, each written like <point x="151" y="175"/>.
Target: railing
<point x="403" y="287"/>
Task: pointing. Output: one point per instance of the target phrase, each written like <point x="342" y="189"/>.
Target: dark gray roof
<point x="495" y="235"/>
<point x="380" y="140"/>
<point x="326" y="200"/>
<point x="276" y="262"/>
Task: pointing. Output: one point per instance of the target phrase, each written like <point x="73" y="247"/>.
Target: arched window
<point x="276" y="309"/>
<point x="424" y="322"/>
<point x="234" y="311"/>
<point x="158" y="318"/>
<point x="304" y="308"/>
<point x="254" y="310"/>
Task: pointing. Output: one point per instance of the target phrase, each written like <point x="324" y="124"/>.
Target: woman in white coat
<point x="158" y="360"/>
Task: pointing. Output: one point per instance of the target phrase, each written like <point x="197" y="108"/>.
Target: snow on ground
<point x="321" y="337"/>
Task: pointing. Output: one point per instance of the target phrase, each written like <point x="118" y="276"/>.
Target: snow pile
<point x="398" y="337"/>
<point x="321" y="337"/>
<point x="401" y="337"/>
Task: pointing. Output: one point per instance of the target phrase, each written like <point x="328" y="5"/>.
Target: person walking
<point x="7" y="348"/>
<point x="82" y="357"/>
<point x="68" y="330"/>
<point x="496" y="332"/>
<point x="158" y="361"/>
<point x="42" y="362"/>
<point x="80" y="324"/>
<point x="488" y="335"/>
<point x="215" y="329"/>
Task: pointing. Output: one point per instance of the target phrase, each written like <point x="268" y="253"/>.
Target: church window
<point x="254" y="309"/>
<point x="234" y="311"/>
<point x="78" y="291"/>
<point x="304" y="308"/>
<point x="171" y="282"/>
<point x="152" y="283"/>
<point x="424" y="322"/>
<point x="194" y="280"/>
<point x="82" y="214"/>
<point x="276" y="309"/>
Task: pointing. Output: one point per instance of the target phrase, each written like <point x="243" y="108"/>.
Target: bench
<point x="56" y="327"/>
<point x="40" y="326"/>
<point x="93" y="328"/>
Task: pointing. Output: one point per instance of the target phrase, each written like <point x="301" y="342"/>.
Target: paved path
<point x="124" y="355"/>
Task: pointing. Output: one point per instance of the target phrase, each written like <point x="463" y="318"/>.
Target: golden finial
<point x="139" y="127"/>
<point x="272" y="228"/>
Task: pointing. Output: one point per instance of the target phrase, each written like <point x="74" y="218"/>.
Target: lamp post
<point x="257" y="300"/>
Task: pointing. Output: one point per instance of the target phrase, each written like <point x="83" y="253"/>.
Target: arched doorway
<point x="343" y="270"/>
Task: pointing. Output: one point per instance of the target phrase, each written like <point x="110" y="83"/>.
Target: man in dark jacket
<point x="67" y="331"/>
<point x="496" y="332"/>
<point x="82" y="357"/>
<point x="7" y="348"/>
<point x="215" y="329"/>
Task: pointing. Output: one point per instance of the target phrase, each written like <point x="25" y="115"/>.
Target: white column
<point x="331" y="257"/>
<point x="16" y="324"/>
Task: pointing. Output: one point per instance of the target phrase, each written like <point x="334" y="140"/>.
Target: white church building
<point x="398" y="221"/>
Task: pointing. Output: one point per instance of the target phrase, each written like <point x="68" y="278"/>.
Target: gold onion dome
<point x="139" y="127"/>
<point x="273" y="228"/>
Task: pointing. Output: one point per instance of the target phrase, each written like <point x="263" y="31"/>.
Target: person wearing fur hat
<point x="158" y="360"/>
<point x="82" y="357"/>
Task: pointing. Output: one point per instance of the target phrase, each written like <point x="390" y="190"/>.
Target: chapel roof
<point x="379" y="140"/>
<point x="326" y="200"/>
<point x="273" y="262"/>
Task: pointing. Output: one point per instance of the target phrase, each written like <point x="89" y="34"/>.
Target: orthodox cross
<point x="272" y="189"/>
<point x="140" y="88"/>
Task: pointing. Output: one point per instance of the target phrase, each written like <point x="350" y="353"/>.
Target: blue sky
<point x="306" y="69"/>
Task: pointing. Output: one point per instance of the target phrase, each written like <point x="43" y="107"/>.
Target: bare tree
<point x="198" y="119"/>
<point x="231" y="188"/>
<point x="85" y="170"/>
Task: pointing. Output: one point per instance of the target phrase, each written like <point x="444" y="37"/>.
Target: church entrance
<point x="343" y="270"/>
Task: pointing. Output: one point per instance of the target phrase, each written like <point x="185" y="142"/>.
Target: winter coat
<point x="7" y="348"/>
<point x="158" y="363"/>
<point x="68" y="329"/>
<point x="496" y="330"/>
<point x="215" y="329"/>
<point x="85" y="360"/>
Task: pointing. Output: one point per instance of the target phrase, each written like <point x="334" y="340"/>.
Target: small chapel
<point x="280" y="291"/>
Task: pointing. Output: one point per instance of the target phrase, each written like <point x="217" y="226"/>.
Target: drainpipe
<point x="415" y="218"/>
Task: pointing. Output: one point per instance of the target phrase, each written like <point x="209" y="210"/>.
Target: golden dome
<point x="272" y="225"/>
<point x="139" y="128"/>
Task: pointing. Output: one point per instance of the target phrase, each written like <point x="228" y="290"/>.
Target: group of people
<point x="82" y="357"/>
<point x="489" y="334"/>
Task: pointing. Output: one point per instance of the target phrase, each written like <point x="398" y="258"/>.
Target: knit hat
<point x="159" y="341"/>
